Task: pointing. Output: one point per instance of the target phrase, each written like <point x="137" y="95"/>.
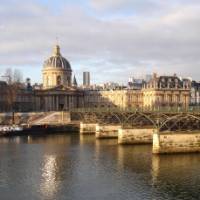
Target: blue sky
<point x="113" y="39"/>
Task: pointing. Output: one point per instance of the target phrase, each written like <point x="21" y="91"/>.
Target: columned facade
<point x="57" y="93"/>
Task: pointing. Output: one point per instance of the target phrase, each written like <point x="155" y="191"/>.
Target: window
<point x="58" y="80"/>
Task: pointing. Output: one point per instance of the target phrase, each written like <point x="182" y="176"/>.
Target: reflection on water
<point x="80" y="167"/>
<point x="49" y="184"/>
<point x="179" y="174"/>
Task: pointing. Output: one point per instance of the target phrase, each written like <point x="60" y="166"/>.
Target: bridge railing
<point x="190" y="109"/>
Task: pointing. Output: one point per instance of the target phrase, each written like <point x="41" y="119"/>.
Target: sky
<point x="113" y="39"/>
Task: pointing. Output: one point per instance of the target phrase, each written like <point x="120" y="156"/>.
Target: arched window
<point x="58" y="80"/>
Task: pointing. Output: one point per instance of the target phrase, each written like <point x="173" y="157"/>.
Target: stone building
<point x="195" y="94"/>
<point x="56" y="70"/>
<point x="166" y="91"/>
<point x="113" y="98"/>
<point x="58" y="92"/>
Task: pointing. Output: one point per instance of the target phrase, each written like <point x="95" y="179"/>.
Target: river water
<point x="69" y="166"/>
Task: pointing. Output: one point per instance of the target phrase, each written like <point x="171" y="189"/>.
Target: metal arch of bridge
<point x="158" y="120"/>
<point x="139" y="119"/>
<point x="100" y="117"/>
<point x="126" y="119"/>
<point x="181" y="122"/>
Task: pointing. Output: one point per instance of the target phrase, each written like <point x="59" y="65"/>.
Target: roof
<point x="57" y="61"/>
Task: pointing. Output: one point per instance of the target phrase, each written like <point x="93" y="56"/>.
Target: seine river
<point x="75" y="167"/>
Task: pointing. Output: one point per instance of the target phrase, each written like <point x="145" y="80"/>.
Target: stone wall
<point x="35" y="118"/>
<point x="19" y="118"/>
<point x="107" y="131"/>
<point x="176" y="142"/>
<point x="135" y="136"/>
<point x="87" y="128"/>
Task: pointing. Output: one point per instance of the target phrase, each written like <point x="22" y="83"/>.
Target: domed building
<point x="58" y="93"/>
<point x="56" y="70"/>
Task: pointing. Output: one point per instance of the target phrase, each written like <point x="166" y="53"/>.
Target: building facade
<point x="59" y="93"/>
<point x="56" y="70"/>
<point x="166" y="91"/>
<point x="113" y="99"/>
<point x="195" y="94"/>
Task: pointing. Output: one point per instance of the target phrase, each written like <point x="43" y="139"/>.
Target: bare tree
<point x="17" y="76"/>
<point x="9" y="75"/>
<point x="14" y="81"/>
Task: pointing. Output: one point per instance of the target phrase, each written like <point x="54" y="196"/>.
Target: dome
<point x="57" y="61"/>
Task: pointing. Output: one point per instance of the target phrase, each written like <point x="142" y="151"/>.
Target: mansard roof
<point x="168" y="82"/>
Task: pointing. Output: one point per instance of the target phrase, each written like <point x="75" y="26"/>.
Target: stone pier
<point x="87" y="128"/>
<point x="176" y="142"/>
<point x="135" y="136"/>
<point x="107" y="131"/>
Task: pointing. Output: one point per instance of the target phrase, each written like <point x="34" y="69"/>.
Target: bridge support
<point x="107" y="131"/>
<point x="87" y="128"/>
<point x="176" y="142"/>
<point x="135" y="136"/>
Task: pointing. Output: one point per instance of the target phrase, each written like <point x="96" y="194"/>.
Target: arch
<point x="90" y="117"/>
<point x="145" y="120"/>
<point x="181" y="122"/>
<point x="109" y="118"/>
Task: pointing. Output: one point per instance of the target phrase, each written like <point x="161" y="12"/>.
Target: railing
<point x="190" y="109"/>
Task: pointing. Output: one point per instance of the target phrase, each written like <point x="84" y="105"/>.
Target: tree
<point x="17" y="76"/>
<point x="14" y="84"/>
<point x="9" y="75"/>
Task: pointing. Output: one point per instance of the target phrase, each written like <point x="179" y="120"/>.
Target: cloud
<point x="112" y="49"/>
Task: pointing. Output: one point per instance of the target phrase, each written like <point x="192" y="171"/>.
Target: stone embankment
<point x="19" y="118"/>
<point x="135" y="136"/>
<point x="176" y="142"/>
<point x="87" y="128"/>
<point x="107" y="131"/>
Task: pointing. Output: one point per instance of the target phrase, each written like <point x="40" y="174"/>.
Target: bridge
<point x="169" y="130"/>
<point x="164" y="120"/>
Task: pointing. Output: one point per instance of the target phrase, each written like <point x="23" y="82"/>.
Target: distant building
<point x="56" y="70"/>
<point x="166" y="91"/>
<point x="195" y="93"/>
<point x="135" y="83"/>
<point x="86" y="79"/>
<point x="58" y="92"/>
<point x="113" y="98"/>
<point x="148" y="77"/>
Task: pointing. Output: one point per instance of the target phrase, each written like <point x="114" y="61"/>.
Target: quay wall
<point x="107" y="131"/>
<point x="87" y="128"/>
<point x="34" y="117"/>
<point x="176" y="142"/>
<point x="135" y="136"/>
<point x="19" y="118"/>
